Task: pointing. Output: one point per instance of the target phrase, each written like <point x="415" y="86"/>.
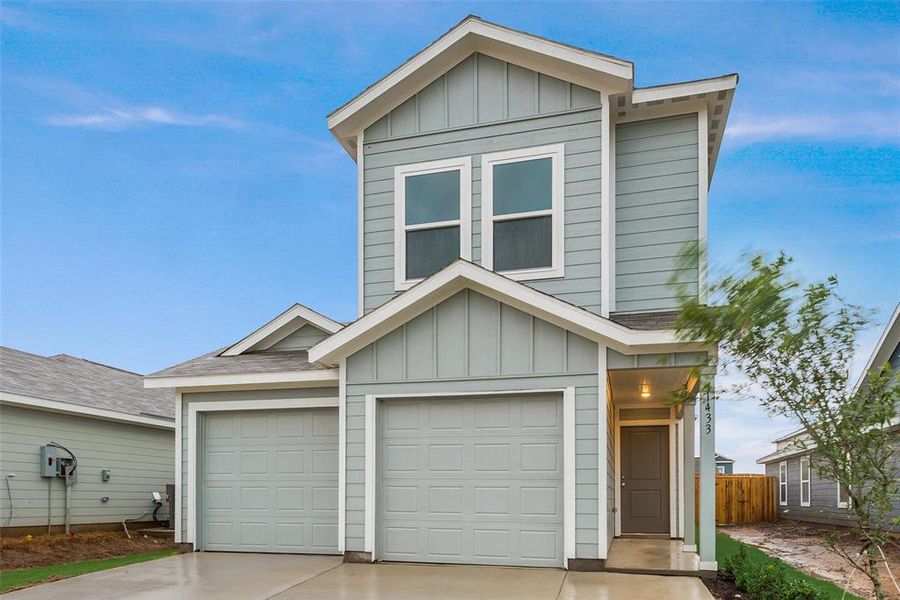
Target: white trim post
<point x="360" y="224"/>
<point x="707" y="472"/>
<point x="602" y="454"/>
<point x="342" y="458"/>
<point x="569" y="474"/>
<point x="179" y="465"/>
<point x="690" y="518"/>
<point x="607" y="208"/>
<point x="369" y="538"/>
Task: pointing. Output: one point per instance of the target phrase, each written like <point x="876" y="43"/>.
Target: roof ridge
<point x="93" y="362"/>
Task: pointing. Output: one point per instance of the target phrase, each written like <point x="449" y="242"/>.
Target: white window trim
<point x="807" y="481"/>
<point x="557" y="153"/>
<point x="371" y="438"/>
<point x="841" y="504"/>
<point x="720" y="469"/>
<point x="782" y="483"/>
<point x="196" y="409"/>
<point x="464" y="166"/>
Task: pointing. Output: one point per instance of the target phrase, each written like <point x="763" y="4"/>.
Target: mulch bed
<point x="44" y="550"/>
<point x="722" y="587"/>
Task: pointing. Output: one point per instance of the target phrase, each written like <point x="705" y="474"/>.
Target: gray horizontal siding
<point x="657" y="204"/>
<point x="580" y="131"/>
<point x="187" y="399"/>
<point x="141" y="459"/>
<point x="823" y="495"/>
<point x="469" y="344"/>
<point x="480" y="89"/>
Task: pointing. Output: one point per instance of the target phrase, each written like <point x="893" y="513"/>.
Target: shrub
<point x="767" y="580"/>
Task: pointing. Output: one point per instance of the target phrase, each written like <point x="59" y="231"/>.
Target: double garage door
<point x="473" y="481"/>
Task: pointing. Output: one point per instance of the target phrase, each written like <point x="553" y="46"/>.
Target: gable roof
<point x="463" y="274"/>
<point x="473" y="34"/>
<point x="27" y="378"/>
<point x="280" y="327"/>
<point x="885" y="348"/>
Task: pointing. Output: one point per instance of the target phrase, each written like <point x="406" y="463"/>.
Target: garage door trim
<point x="568" y="396"/>
<point x="195" y="408"/>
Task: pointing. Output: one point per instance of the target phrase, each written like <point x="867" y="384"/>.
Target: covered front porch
<point x="652" y="457"/>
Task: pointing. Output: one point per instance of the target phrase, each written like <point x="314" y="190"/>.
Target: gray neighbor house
<point x="802" y="494"/>
<point x="501" y="397"/>
<point x="121" y="434"/>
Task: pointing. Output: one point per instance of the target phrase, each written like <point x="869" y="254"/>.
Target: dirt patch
<point x="722" y="587"/>
<point x="44" y="550"/>
<point x="801" y="545"/>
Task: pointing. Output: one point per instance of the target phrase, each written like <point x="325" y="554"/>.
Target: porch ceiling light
<point x="645" y="390"/>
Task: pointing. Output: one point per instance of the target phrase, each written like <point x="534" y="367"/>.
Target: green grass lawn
<point x="20" y="578"/>
<point x="726" y="546"/>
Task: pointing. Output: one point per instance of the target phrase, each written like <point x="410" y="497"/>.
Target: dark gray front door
<point x="645" y="479"/>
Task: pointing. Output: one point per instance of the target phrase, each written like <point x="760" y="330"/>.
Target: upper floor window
<point x="432" y="208"/>
<point x="522" y="212"/>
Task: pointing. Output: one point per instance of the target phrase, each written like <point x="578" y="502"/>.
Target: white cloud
<point x="860" y="126"/>
<point x="126" y="116"/>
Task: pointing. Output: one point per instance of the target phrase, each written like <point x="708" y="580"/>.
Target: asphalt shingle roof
<point x="252" y="362"/>
<point x="65" y="378"/>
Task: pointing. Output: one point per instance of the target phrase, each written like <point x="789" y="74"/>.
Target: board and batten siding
<point x="466" y="345"/>
<point x="190" y="398"/>
<point x="141" y="461"/>
<point x="580" y="131"/>
<point x="481" y="89"/>
<point x="657" y="210"/>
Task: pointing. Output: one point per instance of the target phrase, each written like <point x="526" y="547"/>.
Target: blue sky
<point x="168" y="182"/>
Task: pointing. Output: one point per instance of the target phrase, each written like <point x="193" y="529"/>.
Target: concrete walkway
<point x="224" y="576"/>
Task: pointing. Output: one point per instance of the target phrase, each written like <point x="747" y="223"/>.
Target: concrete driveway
<point x="225" y="576"/>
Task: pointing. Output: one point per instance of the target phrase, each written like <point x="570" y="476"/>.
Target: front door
<point x="645" y="479"/>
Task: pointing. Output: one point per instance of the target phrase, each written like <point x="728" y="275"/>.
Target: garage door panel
<point x="272" y="485"/>
<point x="486" y="487"/>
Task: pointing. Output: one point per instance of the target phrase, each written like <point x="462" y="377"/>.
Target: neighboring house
<point x="122" y="436"/>
<point x="724" y="465"/>
<point x="502" y="398"/>
<point x="802" y="494"/>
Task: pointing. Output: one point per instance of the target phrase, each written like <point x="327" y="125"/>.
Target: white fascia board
<point x="319" y="377"/>
<point x="891" y="337"/>
<point x="462" y="275"/>
<point x="582" y="67"/>
<point x="280" y="327"/>
<point x="688" y="88"/>
<point x="83" y="411"/>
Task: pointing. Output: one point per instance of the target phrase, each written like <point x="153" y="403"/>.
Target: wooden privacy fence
<point x="741" y="499"/>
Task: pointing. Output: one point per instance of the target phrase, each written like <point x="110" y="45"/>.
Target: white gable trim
<point x="668" y="91"/>
<point x="84" y="411"/>
<point x="282" y="326"/>
<point x="891" y="336"/>
<point x="582" y="67"/>
<point x="312" y="378"/>
<point x="465" y="275"/>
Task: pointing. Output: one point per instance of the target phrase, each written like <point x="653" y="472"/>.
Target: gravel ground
<point x="43" y="550"/>
<point x="801" y="545"/>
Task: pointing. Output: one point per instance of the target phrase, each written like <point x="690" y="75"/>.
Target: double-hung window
<point x="432" y="211"/>
<point x="782" y="483"/>
<point x="804" y="481"/>
<point x="522" y="212"/>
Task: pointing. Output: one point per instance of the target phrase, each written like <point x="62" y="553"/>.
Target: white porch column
<point x="707" y="426"/>
<point x="687" y="427"/>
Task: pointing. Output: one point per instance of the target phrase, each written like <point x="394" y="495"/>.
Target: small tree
<point x="794" y="345"/>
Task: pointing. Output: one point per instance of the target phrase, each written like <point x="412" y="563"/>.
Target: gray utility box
<point x="55" y="464"/>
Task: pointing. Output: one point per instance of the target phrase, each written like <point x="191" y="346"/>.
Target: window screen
<point x="430" y="250"/>
<point x="523" y="244"/>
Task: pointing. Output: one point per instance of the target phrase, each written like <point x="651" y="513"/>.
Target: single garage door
<point x="270" y="481"/>
<point x="475" y="480"/>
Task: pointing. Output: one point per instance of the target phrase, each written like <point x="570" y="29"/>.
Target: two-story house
<point x="503" y="396"/>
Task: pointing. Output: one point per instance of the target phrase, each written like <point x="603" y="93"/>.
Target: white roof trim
<point x="689" y="88"/>
<point x="472" y="34"/>
<point x="891" y="333"/>
<point x="462" y="275"/>
<point x="323" y="377"/>
<point x="84" y="411"/>
<point x="280" y="327"/>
